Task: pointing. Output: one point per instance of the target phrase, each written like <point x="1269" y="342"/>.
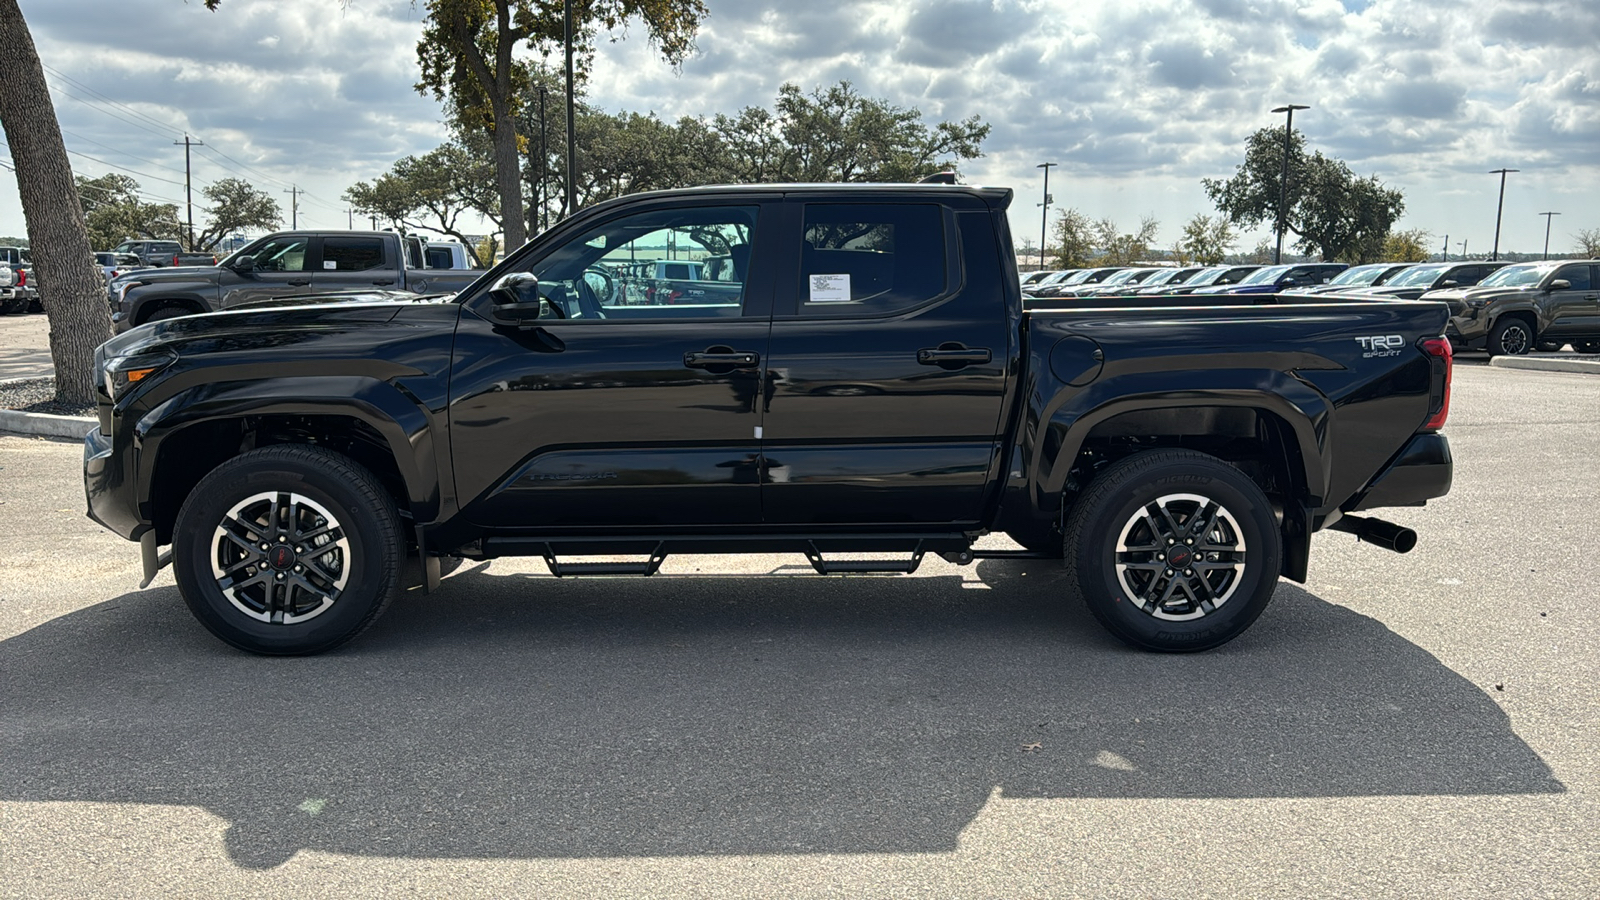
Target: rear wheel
<point x="1587" y="347"/>
<point x="1174" y="550"/>
<point x="1510" y="337"/>
<point x="288" y="550"/>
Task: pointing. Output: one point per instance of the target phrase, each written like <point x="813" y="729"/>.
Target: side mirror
<point x="516" y="296"/>
<point x="1449" y="282"/>
<point x="245" y="263"/>
<point x="1560" y="284"/>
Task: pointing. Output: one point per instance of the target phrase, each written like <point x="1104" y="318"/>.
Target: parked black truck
<point x="287" y="264"/>
<point x="874" y="386"/>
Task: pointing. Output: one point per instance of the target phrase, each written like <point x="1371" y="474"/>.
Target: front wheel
<point x="1510" y="337"/>
<point x="1174" y="550"/>
<point x="288" y="550"/>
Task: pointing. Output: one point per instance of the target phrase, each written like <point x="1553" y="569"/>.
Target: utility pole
<point x="1547" y="216"/>
<point x="572" y="138"/>
<point x="1463" y="248"/>
<point x="1444" y="255"/>
<point x="188" y="191"/>
<point x="1500" y="209"/>
<point x="1044" y="217"/>
<point x="1283" y="185"/>
<point x="350" y="218"/>
<point x="294" y="193"/>
<point x="544" y="154"/>
<point x="374" y="221"/>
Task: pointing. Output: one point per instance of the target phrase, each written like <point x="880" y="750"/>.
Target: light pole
<point x="1547" y="216"/>
<point x="1283" y="186"/>
<point x="1044" y="217"/>
<point x="1500" y="208"/>
<point x="1444" y="255"/>
<point x="572" y="146"/>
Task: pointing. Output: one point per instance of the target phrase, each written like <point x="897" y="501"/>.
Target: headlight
<point x="123" y="372"/>
<point x="1477" y="302"/>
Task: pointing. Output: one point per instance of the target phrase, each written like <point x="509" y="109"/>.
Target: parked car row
<point x="1502" y="308"/>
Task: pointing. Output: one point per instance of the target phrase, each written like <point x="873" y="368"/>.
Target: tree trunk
<point x="63" y="261"/>
<point x="508" y="175"/>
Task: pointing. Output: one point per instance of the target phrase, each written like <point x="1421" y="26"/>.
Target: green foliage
<point x="430" y="192"/>
<point x="1410" y="245"/>
<point x="1124" y="249"/>
<point x="1332" y="212"/>
<point x="114" y="212"/>
<point x="235" y="206"/>
<point x="1074" y="240"/>
<point x="1206" y="240"/>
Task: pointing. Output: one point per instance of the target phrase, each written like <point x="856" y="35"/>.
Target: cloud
<point x="1138" y="102"/>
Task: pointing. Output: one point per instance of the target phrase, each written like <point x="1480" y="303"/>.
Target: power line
<point x="64" y="77"/>
<point x="120" y="118"/>
<point x="104" y="163"/>
<point x="123" y="152"/>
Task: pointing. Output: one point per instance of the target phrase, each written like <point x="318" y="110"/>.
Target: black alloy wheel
<point x="288" y="550"/>
<point x="1510" y="337"/>
<point x="1174" y="550"/>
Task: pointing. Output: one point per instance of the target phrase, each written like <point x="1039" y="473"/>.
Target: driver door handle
<point x="388" y="281"/>
<point x="945" y="353"/>
<point x="298" y="283"/>
<point x="701" y="360"/>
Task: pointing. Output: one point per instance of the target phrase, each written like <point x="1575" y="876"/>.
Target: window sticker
<point x="830" y="288"/>
<point x="330" y="264"/>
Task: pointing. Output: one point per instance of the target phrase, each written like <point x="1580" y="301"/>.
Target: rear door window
<point x="352" y="254"/>
<point x="871" y="260"/>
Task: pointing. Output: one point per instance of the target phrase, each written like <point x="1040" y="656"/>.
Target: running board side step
<point x="864" y="566"/>
<point x="571" y="569"/>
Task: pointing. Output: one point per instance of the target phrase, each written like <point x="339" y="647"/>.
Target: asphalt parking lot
<point x="1401" y="726"/>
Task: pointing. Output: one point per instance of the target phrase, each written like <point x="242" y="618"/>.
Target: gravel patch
<point x="38" y="395"/>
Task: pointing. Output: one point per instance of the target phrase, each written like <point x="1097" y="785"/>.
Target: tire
<point x="172" y="311"/>
<point x="1590" y="347"/>
<point x="286" y="601"/>
<point x="1128" y="589"/>
<point x="1550" y="346"/>
<point x="1510" y="336"/>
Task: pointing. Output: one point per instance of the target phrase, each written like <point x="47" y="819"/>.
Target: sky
<point x="1136" y="100"/>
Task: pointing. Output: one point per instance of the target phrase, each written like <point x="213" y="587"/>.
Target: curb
<point x="1547" y="364"/>
<point x="43" y="424"/>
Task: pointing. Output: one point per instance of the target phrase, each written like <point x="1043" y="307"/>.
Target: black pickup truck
<point x="289" y="264"/>
<point x="874" y="387"/>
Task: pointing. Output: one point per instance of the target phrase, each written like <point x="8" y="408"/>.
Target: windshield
<point x="1164" y="276"/>
<point x="1360" y="276"/>
<point x="1077" y="277"/>
<point x="1421" y="275"/>
<point x="1122" y="277"/>
<point x="1054" y="277"/>
<point x="1517" y="276"/>
<point x="1207" y="276"/>
<point x="1265" y="276"/>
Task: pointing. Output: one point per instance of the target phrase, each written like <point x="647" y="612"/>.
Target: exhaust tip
<point x="1387" y="535"/>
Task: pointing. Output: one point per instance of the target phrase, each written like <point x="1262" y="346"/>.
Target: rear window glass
<point x="351" y="254"/>
<point x="871" y="259"/>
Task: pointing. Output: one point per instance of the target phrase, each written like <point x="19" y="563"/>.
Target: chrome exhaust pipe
<point x="1387" y="535"/>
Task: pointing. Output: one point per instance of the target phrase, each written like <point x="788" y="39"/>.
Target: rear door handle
<point x="390" y="281"/>
<point x="709" y="358"/>
<point x="299" y="283"/>
<point x="952" y="355"/>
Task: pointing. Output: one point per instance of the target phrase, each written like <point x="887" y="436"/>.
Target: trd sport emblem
<point x="1381" y="345"/>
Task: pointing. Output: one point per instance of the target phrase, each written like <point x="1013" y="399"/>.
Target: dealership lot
<point x="1418" y="726"/>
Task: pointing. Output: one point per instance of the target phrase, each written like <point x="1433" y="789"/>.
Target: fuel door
<point x="1076" y="360"/>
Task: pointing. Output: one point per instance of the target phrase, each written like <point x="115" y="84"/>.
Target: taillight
<point x="1442" y="361"/>
<point x="174" y="259"/>
<point x="22" y="278"/>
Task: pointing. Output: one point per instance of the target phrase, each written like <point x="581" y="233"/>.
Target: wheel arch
<point x="378" y="427"/>
<point x="146" y="306"/>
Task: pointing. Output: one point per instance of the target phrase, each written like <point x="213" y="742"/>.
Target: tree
<point x="235" y="205"/>
<point x="79" y="319"/>
<point x="442" y="184"/>
<point x="1332" y="212"/>
<point x="113" y="211"/>
<point x="1206" y="240"/>
<point x="466" y="56"/>
<point x="834" y="134"/>
<point x="1125" y="249"/>
<point x="1589" y="243"/>
<point x="1074" y="240"/>
<point x="1410" y="245"/>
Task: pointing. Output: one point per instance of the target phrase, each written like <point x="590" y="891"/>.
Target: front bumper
<point x="1421" y="471"/>
<point x="108" y="486"/>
